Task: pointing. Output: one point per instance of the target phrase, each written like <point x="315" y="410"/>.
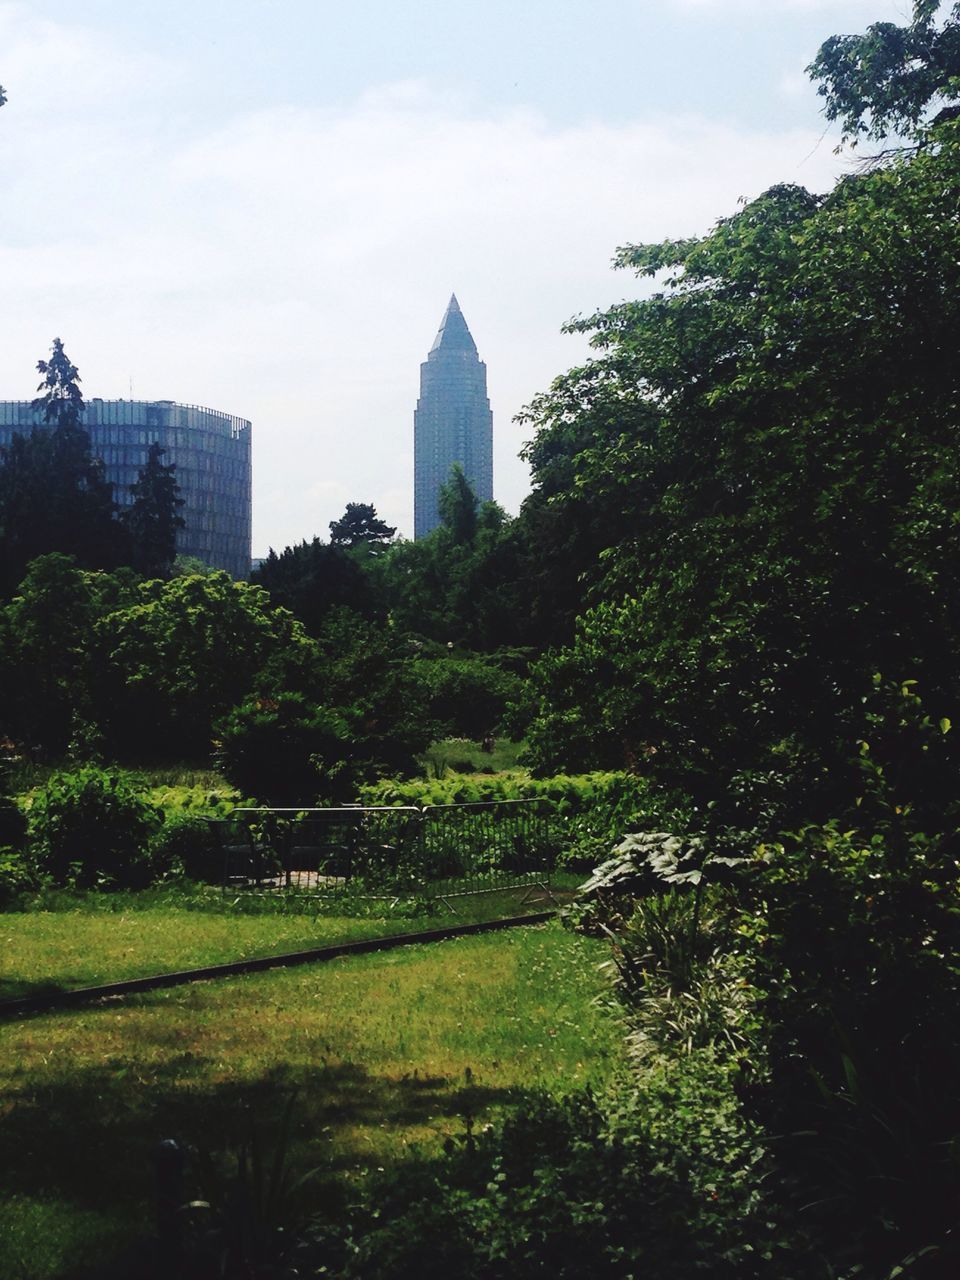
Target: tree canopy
<point x="887" y="79"/>
<point x="778" y="490"/>
<point x="60" y="399"/>
<point x="54" y="495"/>
<point x="153" y="518"/>
<point x="360" y="526"/>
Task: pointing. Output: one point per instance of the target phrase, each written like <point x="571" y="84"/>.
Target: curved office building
<point x="210" y="450"/>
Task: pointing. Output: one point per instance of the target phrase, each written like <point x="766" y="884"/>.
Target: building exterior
<point x="210" y="450"/>
<point x="452" y="422"/>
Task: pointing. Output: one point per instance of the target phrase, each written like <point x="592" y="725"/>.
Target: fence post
<point x="168" y="1161"/>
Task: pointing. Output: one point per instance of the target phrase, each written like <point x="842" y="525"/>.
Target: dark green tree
<point x="888" y="79"/>
<point x="46" y="652"/>
<point x="182" y="653"/>
<point x="61" y="400"/>
<point x="153" y="518"/>
<point x="313" y="578"/>
<point x="458" y="506"/>
<point x="54" y="495"/>
<point x="360" y="526"/>
<point x="779" y="500"/>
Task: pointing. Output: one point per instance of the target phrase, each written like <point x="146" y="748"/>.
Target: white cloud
<point x="293" y="265"/>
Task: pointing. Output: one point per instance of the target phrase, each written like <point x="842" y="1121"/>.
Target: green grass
<point x="377" y="1048"/>
<point x="106" y="938"/>
<point x="465" y="755"/>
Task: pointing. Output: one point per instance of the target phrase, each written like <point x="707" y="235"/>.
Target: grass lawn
<point x="105" y="938"/>
<point x="387" y="1053"/>
<point x="466" y="755"/>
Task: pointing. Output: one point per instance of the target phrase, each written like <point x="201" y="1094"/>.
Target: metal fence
<point x="440" y="851"/>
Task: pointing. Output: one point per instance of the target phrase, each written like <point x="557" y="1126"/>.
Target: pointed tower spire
<point x="453" y="334"/>
<point x="452" y="422"/>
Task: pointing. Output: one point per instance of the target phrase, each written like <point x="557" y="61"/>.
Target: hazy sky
<point x="262" y="206"/>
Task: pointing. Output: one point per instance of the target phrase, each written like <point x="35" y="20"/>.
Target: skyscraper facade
<point x="452" y="422"/>
<point x="211" y="451"/>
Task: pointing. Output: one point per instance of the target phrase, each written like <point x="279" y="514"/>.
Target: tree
<point x="46" y="655"/>
<point x="152" y="520"/>
<point x="360" y="526"/>
<point x="779" y="497"/>
<point x="183" y="653"/>
<point x="54" y="495"/>
<point x="887" y="79"/>
<point x="458" y="506"/>
<point x="313" y="578"/>
<point x="62" y="400"/>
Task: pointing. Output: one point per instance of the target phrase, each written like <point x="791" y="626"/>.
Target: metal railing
<point x="439" y="851"/>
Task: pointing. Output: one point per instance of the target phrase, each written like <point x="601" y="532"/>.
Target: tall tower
<point x="452" y="422"/>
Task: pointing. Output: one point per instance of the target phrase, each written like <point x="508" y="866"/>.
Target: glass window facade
<point x="452" y="422"/>
<point x="210" y="450"/>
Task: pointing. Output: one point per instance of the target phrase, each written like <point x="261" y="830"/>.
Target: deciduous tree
<point x="888" y="79"/>
<point x="780" y="492"/>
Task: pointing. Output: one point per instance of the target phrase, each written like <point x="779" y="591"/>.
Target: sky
<point x="263" y="206"/>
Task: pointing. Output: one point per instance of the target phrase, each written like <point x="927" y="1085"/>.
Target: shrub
<point x="186" y="846"/>
<point x="593" y="809"/>
<point x="13" y="824"/>
<point x="92" y="826"/>
<point x="284" y="751"/>
<point x="664" y="1185"/>
<point x="18" y="876"/>
<point x="468" y="696"/>
<point x="852" y="938"/>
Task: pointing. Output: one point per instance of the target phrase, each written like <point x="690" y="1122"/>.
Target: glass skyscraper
<point x="210" y="450"/>
<point x="452" y="422"/>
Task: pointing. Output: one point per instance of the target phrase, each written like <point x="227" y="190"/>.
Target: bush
<point x="18" y="876"/>
<point x="186" y="846"/>
<point x="468" y="696"/>
<point x="852" y="939"/>
<point x="662" y="1186"/>
<point x="594" y="809"/>
<point x="92" y="826"/>
<point x="284" y="751"/>
<point x="13" y="824"/>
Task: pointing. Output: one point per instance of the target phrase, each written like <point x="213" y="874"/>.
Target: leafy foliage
<point x="886" y="79"/>
<point x="574" y="1189"/>
<point x="786" y="527"/>
<point x="53" y="493"/>
<point x="152" y="519"/>
<point x="314" y="578"/>
<point x="91" y="826"/>
<point x="48" y="664"/>
<point x="183" y="653"/>
<point x="285" y="752"/>
<point x="360" y="526"/>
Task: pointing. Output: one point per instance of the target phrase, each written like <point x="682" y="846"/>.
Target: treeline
<point x="100" y="665"/>
<point x="481" y="580"/>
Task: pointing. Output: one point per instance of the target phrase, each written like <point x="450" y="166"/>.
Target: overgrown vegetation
<point x="388" y="1056"/>
<point x="730" y="606"/>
